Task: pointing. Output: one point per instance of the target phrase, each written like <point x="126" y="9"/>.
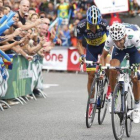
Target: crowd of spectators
<point x="71" y="11"/>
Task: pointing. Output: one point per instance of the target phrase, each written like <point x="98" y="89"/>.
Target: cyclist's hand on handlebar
<point x="82" y="58"/>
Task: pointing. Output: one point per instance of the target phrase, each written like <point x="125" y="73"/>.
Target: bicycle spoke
<point x="118" y="117"/>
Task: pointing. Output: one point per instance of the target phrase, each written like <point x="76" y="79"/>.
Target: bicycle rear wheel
<point x="117" y="115"/>
<point x="91" y="105"/>
<point x="103" y="102"/>
<point x="128" y="122"/>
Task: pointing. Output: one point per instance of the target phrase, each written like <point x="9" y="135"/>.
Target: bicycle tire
<point x="90" y="119"/>
<point x="117" y="113"/>
<point x="104" y="104"/>
<point x="128" y="122"/>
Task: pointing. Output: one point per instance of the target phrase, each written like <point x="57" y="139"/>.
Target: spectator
<point x="1" y="3"/>
<point x="42" y="14"/>
<point x="137" y="6"/>
<point x="34" y="17"/>
<point x="31" y="11"/>
<point x="43" y="5"/>
<point x="79" y="16"/>
<point x="82" y="4"/>
<point x="7" y="2"/>
<point x="74" y="8"/>
<point x="63" y="12"/>
<point x="44" y="33"/>
<point x="1" y="12"/>
<point x="7" y="9"/>
<point x="65" y="36"/>
<point x="74" y="33"/>
<point x="23" y="8"/>
<point x="16" y="6"/>
<point x="51" y="12"/>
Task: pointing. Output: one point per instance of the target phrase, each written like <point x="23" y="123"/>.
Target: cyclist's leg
<point x="92" y="55"/>
<point x="117" y="57"/>
<point x="90" y="70"/>
<point x="135" y="59"/>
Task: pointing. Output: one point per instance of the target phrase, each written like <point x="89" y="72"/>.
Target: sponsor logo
<point x="25" y="74"/>
<point x="54" y="57"/>
<point x="74" y="57"/>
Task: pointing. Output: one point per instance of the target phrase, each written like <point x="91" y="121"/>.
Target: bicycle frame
<point x="125" y="81"/>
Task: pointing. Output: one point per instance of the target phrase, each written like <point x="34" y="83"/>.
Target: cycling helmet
<point x="93" y="15"/>
<point x="117" y="31"/>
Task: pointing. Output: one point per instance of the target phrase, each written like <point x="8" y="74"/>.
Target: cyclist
<point x="125" y="39"/>
<point x="94" y="30"/>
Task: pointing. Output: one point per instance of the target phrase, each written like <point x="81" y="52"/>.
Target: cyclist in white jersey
<point x="125" y="40"/>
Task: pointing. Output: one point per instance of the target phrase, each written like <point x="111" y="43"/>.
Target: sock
<point x="92" y="100"/>
<point x="136" y="101"/>
<point x="137" y="104"/>
<point x="108" y="91"/>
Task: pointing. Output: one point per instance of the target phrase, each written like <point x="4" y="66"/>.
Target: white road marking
<point x="49" y="85"/>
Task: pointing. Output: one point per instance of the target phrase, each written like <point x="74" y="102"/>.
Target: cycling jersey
<point x="134" y="27"/>
<point x="92" y="39"/>
<point x="132" y="40"/>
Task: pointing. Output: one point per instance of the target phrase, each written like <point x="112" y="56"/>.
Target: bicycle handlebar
<point x="133" y="67"/>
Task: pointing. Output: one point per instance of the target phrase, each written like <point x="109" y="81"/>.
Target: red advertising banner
<point x="62" y="59"/>
<point x="73" y="60"/>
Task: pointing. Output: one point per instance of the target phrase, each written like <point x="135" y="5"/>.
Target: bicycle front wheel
<point x="128" y="122"/>
<point x="91" y="105"/>
<point x="103" y="102"/>
<point x="117" y="114"/>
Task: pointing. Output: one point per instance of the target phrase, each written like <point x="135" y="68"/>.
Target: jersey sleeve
<point x="108" y="44"/>
<point x="80" y="29"/>
<point x="105" y="26"/>
<point x="79" y="34"/>
<point x="136" y="41"/>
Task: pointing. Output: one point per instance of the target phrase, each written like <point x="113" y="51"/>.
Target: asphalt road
<point x="58" y="117"/>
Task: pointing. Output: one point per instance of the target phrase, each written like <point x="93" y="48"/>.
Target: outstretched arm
<point x="103" y="57"/>
<point x="80" y="47"/>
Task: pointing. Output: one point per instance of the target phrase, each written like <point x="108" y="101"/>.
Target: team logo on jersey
<point x="93" y="36"/>
<point x="108" y="42"/>
<point x="130" y="36"/>
<point x="81" y="24"/>
<point x="103" y="23"/>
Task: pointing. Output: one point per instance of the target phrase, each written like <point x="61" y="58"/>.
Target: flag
<point x="8" y="64"/>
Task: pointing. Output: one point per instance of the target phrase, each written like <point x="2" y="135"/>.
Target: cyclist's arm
<point x="136" y="41"/>
<point x="80" y="47"/>
<point x="79" y="35"/>
<point x="103" y="57"/>
<point x="106" y="50"/>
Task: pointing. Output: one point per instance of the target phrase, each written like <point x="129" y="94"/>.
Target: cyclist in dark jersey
<point x="94" y="30"/>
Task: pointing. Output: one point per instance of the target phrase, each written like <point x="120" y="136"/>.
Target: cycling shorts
<point x="92" y="53"/>
<point x="120" y="54"/>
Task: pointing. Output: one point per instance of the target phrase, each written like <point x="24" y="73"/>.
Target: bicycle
<point x="123" y="101"/>
<point x="99" y="102"/>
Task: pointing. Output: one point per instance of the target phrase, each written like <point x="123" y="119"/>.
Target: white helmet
<point x="117" y="31"/>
